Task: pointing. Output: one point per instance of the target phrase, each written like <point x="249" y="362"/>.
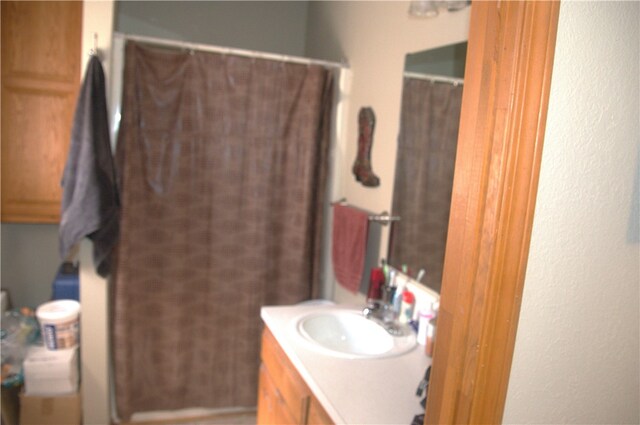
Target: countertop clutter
<point x="51" y="391"/>
<point x="361" y="390"/>
<point x="40" y="365"/>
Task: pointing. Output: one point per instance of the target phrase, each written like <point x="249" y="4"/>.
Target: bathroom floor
<point x="231" y="419"/>
<point x="243" y="418"/>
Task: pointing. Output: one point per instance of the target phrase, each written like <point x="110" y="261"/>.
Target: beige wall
<point x="577" y="355"/>
<point x="97" y="19"/>
<point x="374" y="38"/>
<point x="576" y="358"/>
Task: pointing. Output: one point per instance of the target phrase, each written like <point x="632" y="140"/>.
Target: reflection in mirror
<point x="429" y="121"/>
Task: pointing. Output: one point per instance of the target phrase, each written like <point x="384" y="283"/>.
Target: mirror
<point x="429" y="121"/>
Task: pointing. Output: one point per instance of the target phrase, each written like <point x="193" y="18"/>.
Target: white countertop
<point x="352" y="391"/>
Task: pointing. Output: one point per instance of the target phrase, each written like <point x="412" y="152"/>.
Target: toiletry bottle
<point x="376" y="282"/>
<point x="424" y="316"/>
<point x="431" y="331"/>
<point x="406" y="307"/>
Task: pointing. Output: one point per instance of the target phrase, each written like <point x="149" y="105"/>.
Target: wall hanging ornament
<point x="362" y="166"/>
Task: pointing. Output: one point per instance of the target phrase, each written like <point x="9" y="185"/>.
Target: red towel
<point x="350" y="229"/>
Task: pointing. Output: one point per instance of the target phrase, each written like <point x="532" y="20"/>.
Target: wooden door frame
<point x="504" y="107"/>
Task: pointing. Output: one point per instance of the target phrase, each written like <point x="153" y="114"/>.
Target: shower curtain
<point x="430" y="117"/>
<point x="223" y="162"/>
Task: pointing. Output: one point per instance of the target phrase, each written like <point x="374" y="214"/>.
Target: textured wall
<point x="577" y="354"/>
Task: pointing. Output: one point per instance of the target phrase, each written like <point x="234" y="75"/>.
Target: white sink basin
<point x="347" y="333"/>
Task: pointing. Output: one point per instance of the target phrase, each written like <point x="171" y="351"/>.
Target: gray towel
<point x="90" y="202"/>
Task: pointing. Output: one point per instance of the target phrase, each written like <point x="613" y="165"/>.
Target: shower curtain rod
<point x="435" y="78"/>
<point x="229" y="50"/>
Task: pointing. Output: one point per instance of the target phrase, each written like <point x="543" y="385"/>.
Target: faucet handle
<point x="372" y="307"/>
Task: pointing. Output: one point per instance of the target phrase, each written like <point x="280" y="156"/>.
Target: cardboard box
<point x="59" y="410"/>
<point x="51" y="373"/>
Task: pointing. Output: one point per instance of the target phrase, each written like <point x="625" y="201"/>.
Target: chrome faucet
<point x="382" y="312"/>
<point x="374" y="310"/>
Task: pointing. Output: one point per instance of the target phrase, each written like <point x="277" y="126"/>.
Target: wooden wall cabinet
<point x="283" y="396"/>
<point x="41" y="43"/>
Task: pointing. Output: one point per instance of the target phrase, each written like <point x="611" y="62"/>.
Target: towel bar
<point x="383" y="218"/>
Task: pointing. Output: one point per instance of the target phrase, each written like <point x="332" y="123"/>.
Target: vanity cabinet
<point x="40" y="80"/>
<point x="317" y="415"/>
<point x="283" y="396"/>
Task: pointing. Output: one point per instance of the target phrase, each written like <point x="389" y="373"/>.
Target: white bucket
<point x="59" y="322"/>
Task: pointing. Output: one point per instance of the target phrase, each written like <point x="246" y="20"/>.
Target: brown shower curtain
<point x="429" y="122"/>
<point x="222" y="161"/>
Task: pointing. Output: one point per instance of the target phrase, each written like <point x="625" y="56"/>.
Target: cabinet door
<point x="272" y="408"/>
<point x="41" y="42"/>
<point x="290" y="385"/>
<point x="283" y="397"/>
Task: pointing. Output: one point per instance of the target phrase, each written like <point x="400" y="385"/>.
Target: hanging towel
<point x="350" y="229"/>
<point x="90" y="202"/>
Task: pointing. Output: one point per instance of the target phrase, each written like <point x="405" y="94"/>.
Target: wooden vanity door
<point x="272" y="409"/>
<point x="282" y="393"/>
<point x="317" y="415"/>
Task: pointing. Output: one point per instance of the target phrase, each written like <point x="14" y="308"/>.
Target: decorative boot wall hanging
<point x="362" y="166"/>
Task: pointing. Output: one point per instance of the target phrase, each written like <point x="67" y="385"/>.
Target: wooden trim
<point x="504" y="106"/>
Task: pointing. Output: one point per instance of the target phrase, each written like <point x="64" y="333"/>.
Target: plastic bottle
<point x="376" y="282"/>
<point x="424" y="316"/>
<point x="406" y="307"/>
